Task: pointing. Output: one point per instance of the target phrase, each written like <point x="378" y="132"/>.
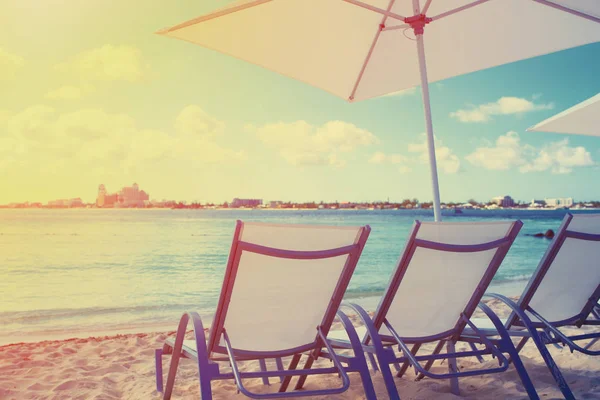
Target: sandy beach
<point x="122" y="367"/>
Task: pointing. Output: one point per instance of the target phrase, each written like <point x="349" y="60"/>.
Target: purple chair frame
<point x="208" y="353"/>
<point x="381" y="346"/>
<point x="544" y="332"/>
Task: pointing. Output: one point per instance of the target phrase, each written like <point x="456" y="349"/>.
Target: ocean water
<point x="79" y="272"/>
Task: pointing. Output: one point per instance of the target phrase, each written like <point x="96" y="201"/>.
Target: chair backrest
<point x="443" y="272"/>
<point x="566" y="284"/>
<point x="281" y="283"/>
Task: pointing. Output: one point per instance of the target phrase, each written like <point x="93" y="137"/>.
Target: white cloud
<point x="447" y="161"/>
<point x="395" y="159"/>
<point x="380" y="158"/>
<point x="503" y="106"/>
<point x="9" y="64"/>
<point x="194" y="121"/>
<point x="70" y="92"/>
<point x="88" y="138"/>
<point x="559" y="158"/>
<point x="508" y="153"/>
<point x="107" y="63"/>
<point x="301" y="143"/>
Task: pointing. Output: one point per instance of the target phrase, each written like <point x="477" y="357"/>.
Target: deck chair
<point x="436" y="287"/>
<point x="282" y="288"/>
<point x="562" y="293"/>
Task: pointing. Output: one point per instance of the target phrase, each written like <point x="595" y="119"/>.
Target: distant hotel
<point x="130" y="196"/>
<point x="246" y="203"/>
<point x="559" y="202"/>
<point x="504" y="201"/>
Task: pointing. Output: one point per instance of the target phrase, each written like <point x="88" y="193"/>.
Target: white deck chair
<point x="563" y="292"/>
<point x="282" y="288"/>
<point x="441" y="276"/>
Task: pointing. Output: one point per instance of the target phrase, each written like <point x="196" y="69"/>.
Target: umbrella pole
<point x="429" y="126"/>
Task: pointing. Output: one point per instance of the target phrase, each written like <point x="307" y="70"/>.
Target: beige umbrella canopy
<point x="360" y="49"/>
<point x="581" y="119"/>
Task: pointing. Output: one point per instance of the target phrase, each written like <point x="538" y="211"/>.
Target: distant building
<point x="76" y="202"/>
<point x="129" y="196"/>
<point x="101" y="199"/>
<point x="132" y="196"/>
<point x="110" y="200"/>
<point x="66" y="203"/>
<point x="537" y="203"/>
<point x="559" y="202"/>
<point x="503" y="201"/>
<point x="18" y="205"/>
<point x="57" y="203"/>
<point x="275" y="204"/>
<point x="246" y="203"/>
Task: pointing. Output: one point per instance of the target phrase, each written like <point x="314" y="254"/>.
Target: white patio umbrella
<point x="581" y="119"/>
<point x="359" y="49"/>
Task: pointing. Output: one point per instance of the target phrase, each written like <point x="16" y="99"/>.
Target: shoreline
<point x="370" y="302"/>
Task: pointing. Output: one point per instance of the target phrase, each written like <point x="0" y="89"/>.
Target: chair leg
<point x="406" y="364"/>
<point x="204" y="368"/>
<point x="590" y="344"/>
<point x="279" y="363"/>
<point x="429" y="363"/>
<point x="452" y="368"/>
<point x="293" y="364"/>
<point x="159" y="370"/>
<point x="365" y="377"/>
<point x="372" y="361"/>
<point x="386" y="372"/>
<point x="205" y="384"/>
<point x="558" y="377"/>
<point x="474" y="348"/>
<point x="519" y="347"/>
<point x="172" y="373"/>
<point x="513" y="353"/>
<point x="302" y="379"/>
<point x="263" y="368"/>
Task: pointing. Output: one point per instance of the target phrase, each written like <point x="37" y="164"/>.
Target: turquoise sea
<point x="80" y="272"/>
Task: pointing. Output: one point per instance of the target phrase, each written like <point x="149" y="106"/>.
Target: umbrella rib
<point x="569" y="10"/>
<point x="462" y="8"/>
<point x="216" y="14"/>
<point x="376" y="9"/>
<point x="426" y="7"/>
<point x="370" y="53"/>
<point x="396" y="27"/>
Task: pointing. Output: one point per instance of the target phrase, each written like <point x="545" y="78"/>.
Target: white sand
<point x="122" y="367"/>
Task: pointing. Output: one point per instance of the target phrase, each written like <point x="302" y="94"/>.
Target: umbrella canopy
<point x="360" y="49"/>
<point x="581" y="119"/>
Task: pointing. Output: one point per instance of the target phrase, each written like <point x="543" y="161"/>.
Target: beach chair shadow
<point x="282" y="288"/>
<point x="436" y="287"/>
<point x="562" y="293"/>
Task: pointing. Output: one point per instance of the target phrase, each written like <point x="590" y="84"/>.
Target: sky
<point x="90" y="95"/>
